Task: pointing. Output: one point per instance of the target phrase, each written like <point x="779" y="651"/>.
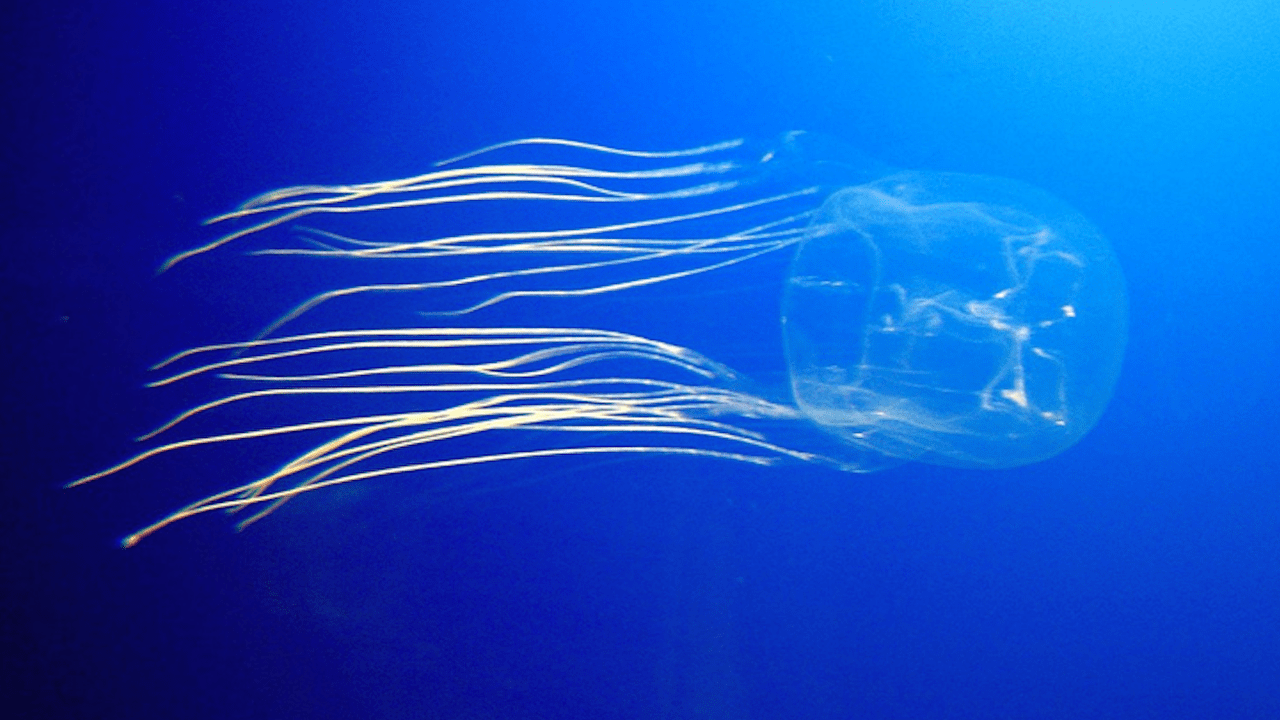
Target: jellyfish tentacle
<point x="565" y="402"/>
<point x="702" y="150"/>
<point x="289" y="204"/>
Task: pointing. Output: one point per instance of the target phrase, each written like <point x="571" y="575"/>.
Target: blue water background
<point x="1134" y="576"/>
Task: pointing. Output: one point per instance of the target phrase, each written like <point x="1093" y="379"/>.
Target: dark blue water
<point x="1133" y="576"/>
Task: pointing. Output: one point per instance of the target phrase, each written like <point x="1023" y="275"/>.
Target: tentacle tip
<point x="242" y="525"/>
<point x="152" y="384"/>
<point x="129" y="541"/>
<point x="169" y="263"/>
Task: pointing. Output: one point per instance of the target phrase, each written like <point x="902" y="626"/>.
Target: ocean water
<point x="1133" y="575"/>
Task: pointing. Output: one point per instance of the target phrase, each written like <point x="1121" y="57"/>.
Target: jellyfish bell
<point x="952" y="319"/>
<point x="941" y="318"/>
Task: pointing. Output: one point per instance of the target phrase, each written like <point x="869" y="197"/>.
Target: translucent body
<point x="954" y="319"/>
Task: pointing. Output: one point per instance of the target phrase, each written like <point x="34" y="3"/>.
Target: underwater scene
<point x="895" y="359"/>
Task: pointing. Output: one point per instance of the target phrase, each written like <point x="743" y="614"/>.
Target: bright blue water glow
<point x="1134" y="576"/>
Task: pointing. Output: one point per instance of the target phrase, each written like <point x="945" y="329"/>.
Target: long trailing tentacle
<point x="563" y="386"/>
<point x="568" y="252"/>
<point x="679" y="214"/>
